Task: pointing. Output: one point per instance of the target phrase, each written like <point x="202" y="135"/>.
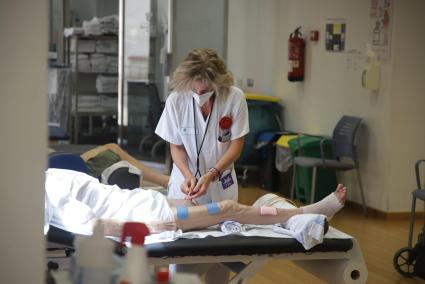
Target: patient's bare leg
<point x="202" y="216"/>
<point x="149" y="174"/>
<point x="199" y="216"/>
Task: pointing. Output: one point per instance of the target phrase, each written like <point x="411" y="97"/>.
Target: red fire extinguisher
<point x="296" y="54"/>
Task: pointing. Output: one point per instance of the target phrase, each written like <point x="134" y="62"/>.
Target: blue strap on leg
<point x="182" y="212"/>
<point x="212" y="208"/>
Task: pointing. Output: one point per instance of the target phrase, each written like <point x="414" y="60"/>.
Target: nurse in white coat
<point x="205" y="121"/>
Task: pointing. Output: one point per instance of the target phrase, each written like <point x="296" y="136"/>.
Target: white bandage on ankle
<point x="327" y="206"/>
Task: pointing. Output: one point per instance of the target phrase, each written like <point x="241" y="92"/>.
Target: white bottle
<point x="135" y="270"/>
<point x="94" y="258"/>
<point x="371" y="72"/>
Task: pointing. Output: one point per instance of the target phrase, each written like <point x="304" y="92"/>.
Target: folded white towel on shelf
<point x="83" y="45"/>
<point x="107" y="45"/>
<point x="107" y="84"/>
<point x="98" y="62"/>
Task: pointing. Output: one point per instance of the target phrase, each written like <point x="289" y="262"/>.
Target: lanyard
<point x="198" y="151"/>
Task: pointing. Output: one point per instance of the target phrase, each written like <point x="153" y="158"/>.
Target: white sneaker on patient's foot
<point x="329" y="205"/>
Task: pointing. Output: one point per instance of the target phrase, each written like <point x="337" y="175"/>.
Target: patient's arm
<point x="149" y="174"/>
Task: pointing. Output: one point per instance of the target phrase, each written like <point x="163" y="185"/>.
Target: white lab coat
<point x="176" y="126"/>
<point x="72" y="199"/>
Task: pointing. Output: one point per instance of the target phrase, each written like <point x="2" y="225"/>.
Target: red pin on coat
<point x="225" y="122"/>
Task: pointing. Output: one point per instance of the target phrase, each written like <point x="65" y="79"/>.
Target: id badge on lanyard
<point x="198" y="151"/>
<point x="226" y="179"/>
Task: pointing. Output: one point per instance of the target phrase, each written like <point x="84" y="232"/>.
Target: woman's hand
<point x="202" y="185"/>
<point x="188" y="185"/>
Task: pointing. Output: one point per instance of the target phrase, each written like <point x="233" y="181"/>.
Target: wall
<point x="199" y="24"/>
<point x="252" y="42"/>
<point x="23" y="122"/>
<point x="331" y="89"/>
<point x="407" y="101"/>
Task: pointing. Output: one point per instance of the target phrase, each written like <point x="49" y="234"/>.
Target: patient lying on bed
<point x="74" y="201"/>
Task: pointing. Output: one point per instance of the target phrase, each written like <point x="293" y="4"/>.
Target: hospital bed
<point x="336" y="260"/>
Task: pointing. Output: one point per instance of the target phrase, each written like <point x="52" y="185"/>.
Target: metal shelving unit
<point x="84" y="84"/>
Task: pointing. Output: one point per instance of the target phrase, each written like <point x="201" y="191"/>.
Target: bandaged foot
<point x="308" y="229"/>
<point x="329" y="205"/>
<point x="273" y="200"/>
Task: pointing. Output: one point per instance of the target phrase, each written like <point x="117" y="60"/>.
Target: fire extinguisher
<point x="296" y="54"/>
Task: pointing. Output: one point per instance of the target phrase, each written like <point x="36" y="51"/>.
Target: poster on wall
<point x="335" y="35"/>
<point x="380" y="27"/>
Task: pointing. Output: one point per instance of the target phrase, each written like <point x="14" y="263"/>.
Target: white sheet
<point x="76" y="198"/>
<point x="250" y="231"/>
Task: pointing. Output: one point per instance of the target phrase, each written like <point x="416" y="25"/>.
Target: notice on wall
<point x="335" y="35"/>
<point x="380" y="27"/>
<point x="353" y="59"/>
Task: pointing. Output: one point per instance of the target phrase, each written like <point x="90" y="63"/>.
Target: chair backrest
<point x="67" y="161"/>
<point x="344" y="137"/>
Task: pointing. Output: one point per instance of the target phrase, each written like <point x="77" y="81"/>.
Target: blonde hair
<point x="202" y="64"/>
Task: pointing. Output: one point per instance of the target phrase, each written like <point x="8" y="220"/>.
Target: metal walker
<point x="405" y="259"/>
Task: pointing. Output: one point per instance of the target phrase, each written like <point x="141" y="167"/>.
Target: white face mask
<point x="202" y="99"/>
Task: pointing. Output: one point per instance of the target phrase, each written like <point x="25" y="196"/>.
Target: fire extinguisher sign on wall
<point x="296" y="55"/>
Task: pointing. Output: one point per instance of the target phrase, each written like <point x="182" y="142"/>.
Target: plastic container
<point x="162" y="276"/>
<point x="283" y="164"/>
<point x="325" y="179"/>
<point x="263" y="116"/>
<point x="135" y="270"/>
<point x="93" y="258"/>
<point x="267" y="153"/>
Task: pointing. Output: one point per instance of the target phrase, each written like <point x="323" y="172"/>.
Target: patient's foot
<point x="329" y="205"/>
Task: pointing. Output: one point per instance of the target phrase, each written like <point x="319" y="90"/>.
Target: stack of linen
<point x="107" y="46"/>
<point x="83" y="63"/>
<point x="108" y="103"/>
<point x="107" y="84"/>
<point x="98" y="62"/>
<point x="105" y="25"/>
<point x="85" y="45"/>
<point x="112" y="64"/>
<point x="87" y="103"/>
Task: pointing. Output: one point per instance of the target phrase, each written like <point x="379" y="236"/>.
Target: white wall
<point x="252" y="44"/>
<point x="198" y="24"/>
<point x="23" y="123"/>
<point x="331" y="90"/>
<point x="407" y="100"/>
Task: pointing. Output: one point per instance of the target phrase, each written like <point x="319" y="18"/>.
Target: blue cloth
<point x="67" y="161"/>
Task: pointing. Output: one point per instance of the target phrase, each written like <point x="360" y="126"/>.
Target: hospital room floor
<point x="379" y="240"/>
